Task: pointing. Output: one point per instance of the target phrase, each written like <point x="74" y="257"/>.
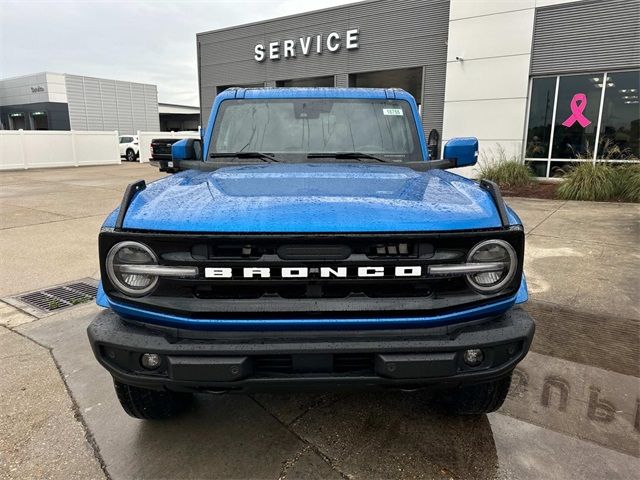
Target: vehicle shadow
<point x="391" y="435"/>
<point x="362" y="435"/>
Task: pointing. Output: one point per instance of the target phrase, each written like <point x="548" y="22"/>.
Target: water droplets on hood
<point x="312" y="197"/>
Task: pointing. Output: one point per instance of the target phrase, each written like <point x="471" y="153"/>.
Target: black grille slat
<point x="345" y="363"/>
<point x="341" y="363"/>
<point x="273" y="364"/>
<point x="314" y="252"/>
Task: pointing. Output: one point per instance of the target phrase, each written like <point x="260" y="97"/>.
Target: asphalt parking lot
<point x="573" y="411"/>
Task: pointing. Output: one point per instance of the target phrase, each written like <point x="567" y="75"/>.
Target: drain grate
<point x="50" y="300"/>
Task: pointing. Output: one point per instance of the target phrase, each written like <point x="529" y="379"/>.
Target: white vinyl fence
<point x="145" y="139"/>
<point x="20" y="149"/>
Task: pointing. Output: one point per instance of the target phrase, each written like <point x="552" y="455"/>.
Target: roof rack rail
<point x="129" y="193"/>
<point x="496" y="196"/>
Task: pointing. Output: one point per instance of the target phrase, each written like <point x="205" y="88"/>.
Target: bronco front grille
<point x="314" y="294"/>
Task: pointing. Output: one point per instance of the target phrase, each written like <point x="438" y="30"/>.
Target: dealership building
<point x="59" y="101"/>
<point x="550" y="81"/>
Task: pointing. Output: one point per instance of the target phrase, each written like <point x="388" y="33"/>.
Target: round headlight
<point x="496" y="252"/>
<point x="127" y="254"/>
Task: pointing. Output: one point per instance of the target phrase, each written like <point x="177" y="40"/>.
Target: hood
<point x="311" y="198"/>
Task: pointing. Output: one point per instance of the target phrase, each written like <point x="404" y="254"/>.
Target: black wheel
<point x="151" y="404"/>
<point x="474" y="399"/>
<point x="131" y="155"/>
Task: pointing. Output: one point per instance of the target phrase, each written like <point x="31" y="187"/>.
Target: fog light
<point x="150" y="361"/>
<point x="473" y="357"/>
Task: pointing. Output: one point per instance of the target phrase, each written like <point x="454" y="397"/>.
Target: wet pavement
<point x="54" y="216"/>
<point x="562" y="420"/>
<point x="573" y="410"/>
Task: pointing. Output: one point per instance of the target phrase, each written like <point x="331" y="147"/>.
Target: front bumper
<point x="296" y="360"/>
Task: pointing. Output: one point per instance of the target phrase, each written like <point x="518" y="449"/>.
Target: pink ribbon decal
<point x="578" y="104"/>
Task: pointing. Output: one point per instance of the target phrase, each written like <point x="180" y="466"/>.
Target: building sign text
<point x="306" y="45"/>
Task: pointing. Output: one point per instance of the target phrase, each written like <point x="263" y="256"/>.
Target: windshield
<point x="292" y="128"/>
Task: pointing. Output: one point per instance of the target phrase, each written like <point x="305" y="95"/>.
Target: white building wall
<point x="56" y="88"/>
<point x="488" y="61"/>
<point x="36" y="88"/>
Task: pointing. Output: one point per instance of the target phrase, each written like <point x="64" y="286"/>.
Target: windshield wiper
<point x="346" y="155"/>
<point x="265" y="157"/>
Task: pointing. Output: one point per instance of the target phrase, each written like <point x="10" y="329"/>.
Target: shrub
<point x="612" y="151"/>
<point x="506" y="172"/>
<point x="604" y="180"/>
<point x="588" y="181"/>
<point x="628" y="182"/>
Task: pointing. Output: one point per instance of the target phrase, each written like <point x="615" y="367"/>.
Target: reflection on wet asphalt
<point x="586" y="402"/>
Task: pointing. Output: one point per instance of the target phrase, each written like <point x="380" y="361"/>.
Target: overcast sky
<point x="143" y="41"/>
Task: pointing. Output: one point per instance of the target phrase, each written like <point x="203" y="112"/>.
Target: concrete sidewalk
<point x="582" y="261"/>
<point x="50" y="218"/>
<point x="64" y="421"/>
<point x="579" y="253"/>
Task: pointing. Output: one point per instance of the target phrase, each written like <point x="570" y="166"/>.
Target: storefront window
<point x="620" y="125"/>
<point x="577" y="116"/>
<point x="539" y="168"/>
<point x="543" y="93"/>
<point x="17" y="121"/>
<point x="39" y="121"/>
<point x="581" y="130"/>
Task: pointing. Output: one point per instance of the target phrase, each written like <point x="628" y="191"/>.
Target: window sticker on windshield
<point x="392" y="111"/>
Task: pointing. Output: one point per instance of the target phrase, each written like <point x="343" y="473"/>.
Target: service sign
<point x="307" y="45"/>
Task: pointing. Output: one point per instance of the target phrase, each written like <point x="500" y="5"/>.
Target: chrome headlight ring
<point x="116" y="276"/>
<point x="505" y="278"/>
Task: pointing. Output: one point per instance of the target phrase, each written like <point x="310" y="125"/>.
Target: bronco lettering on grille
<point x="313" y="272"/>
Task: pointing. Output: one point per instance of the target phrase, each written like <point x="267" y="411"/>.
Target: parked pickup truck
<point x="309" y="242"/>
<point x="161" y="153"/>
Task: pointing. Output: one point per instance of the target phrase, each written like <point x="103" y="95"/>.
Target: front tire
<point x="131" y="155"/>
<point x="474" y="399"/>
<point x="151" y="404"/>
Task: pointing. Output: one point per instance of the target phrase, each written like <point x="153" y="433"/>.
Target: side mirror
<point x="463" y="151"/>
<point x="186" y="149"/>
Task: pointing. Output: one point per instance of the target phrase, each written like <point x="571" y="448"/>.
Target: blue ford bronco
<point x="309" y="242"/>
